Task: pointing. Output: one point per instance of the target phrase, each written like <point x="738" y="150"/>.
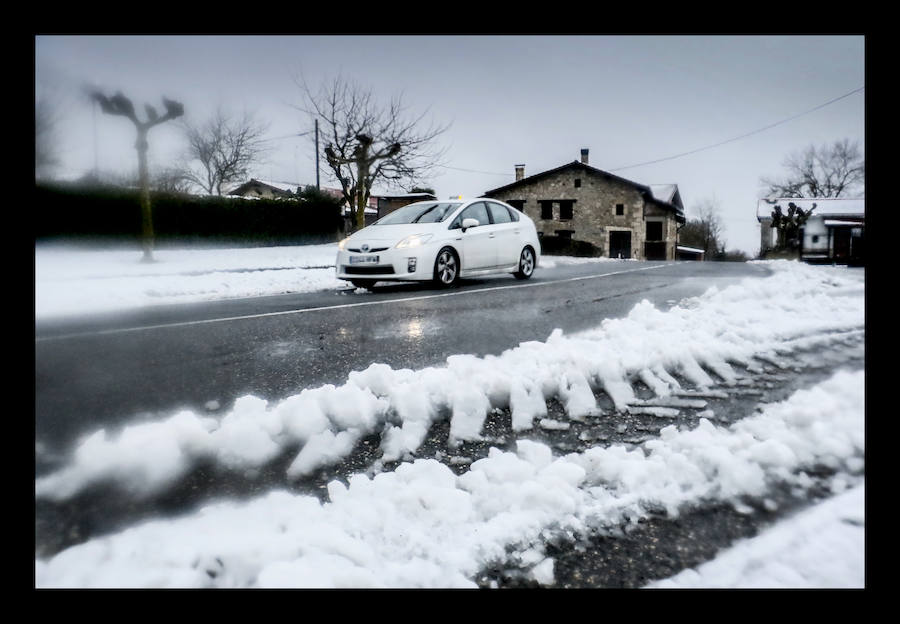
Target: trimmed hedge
<point x="113" y="214"/>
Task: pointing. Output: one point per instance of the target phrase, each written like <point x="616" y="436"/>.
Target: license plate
<point x="363" y="259"/>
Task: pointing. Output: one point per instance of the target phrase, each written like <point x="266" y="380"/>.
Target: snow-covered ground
<point x="71" y="281"/>
<point x="421" y="524"/>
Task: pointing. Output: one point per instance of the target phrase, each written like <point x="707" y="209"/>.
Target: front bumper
<point x="415" y="264"/>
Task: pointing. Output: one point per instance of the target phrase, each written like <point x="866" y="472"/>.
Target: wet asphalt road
<point x="108" y="370"/>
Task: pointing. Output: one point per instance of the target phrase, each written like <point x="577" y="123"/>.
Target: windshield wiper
<point x="416" y="220"/>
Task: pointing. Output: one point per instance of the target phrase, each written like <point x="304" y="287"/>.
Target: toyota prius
<point x="441" y="242"/>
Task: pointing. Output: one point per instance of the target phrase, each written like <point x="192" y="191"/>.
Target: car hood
<point x="389" y="235"/>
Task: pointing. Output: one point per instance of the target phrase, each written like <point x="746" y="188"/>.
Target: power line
<point x="757" y="131"/>
<point x="651" y="162"/>
<point x="475" y="171"/>
<point x="288" y="136"/>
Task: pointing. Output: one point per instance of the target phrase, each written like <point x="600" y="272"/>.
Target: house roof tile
<point x="664" y="194"/>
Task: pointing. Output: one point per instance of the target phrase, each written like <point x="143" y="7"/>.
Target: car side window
<point x="475" y="211"/>
<point x="499" y="213"/>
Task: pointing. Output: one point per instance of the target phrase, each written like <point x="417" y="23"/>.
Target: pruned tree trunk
<point x="121" y="105"/>
<point x="147" y="237"/>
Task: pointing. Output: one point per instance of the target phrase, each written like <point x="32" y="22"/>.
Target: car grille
<point x="369" y="270"/>
<point x="373" y="250"/>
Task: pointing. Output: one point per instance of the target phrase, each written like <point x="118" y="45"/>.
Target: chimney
<point x="584" y="155"/>
<point x="520" y="172"/>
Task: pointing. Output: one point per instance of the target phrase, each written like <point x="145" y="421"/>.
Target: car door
<point x="506" y="235"/>
<point x="476" y="243"/>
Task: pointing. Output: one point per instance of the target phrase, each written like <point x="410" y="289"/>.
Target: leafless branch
<point x="222" y="150"/>
<point x="827" y="171"/>
<point x="46" y="148"/>
<point x="706" y="229"/>
<point x="367" y="142"/>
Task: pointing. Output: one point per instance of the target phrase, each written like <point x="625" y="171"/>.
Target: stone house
<point x="578" y="202"/>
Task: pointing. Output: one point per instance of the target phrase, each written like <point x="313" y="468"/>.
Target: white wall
<point x="815" y="227"/>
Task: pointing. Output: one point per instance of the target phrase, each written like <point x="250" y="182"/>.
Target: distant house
<point x="378" y="206"/>
<point x="618" y="217"/>
<point x="834" y="233"/>
<point x="688" y="253"/>
<point x="389" y="203"/>
<point x="371" y="211"/>
<point x="263" y="189"/>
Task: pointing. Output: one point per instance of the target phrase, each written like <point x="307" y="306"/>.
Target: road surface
<point x="110" y="369"/>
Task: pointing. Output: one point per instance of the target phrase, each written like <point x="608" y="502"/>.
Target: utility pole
<point x="96" y="159"/>
<point x="303" y="134"/>
<point x="317" y="156"/>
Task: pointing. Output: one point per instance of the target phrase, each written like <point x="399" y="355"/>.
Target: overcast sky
<point x="536" y="100"/>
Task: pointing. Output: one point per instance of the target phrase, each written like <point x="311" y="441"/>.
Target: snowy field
<point x="421" y="524"/>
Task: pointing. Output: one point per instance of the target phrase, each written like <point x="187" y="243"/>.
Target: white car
<point x="441" y="241"/>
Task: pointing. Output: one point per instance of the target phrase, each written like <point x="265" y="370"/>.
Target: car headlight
<point x="416" y="240"/>
<point x="342" y="243"/>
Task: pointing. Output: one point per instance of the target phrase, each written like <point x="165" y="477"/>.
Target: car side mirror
<point x="469" y="223"/>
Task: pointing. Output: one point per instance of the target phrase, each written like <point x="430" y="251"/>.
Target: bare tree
<point x="706" y="230"/>
<point x="170" y="180"/>
<point x="46" y="149"/>
<point x="827" y="171"/>
<point x="222" y="150"/>
<point x="368" y="141"/>
<point x="120" y="105"/>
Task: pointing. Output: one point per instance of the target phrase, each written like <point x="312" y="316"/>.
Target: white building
<point x="834" y="232"/>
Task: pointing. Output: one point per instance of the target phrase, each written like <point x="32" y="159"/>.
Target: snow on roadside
<point x="72" y="281"/>
<point x="421" y="525"/>
<point x="819" y="548"/>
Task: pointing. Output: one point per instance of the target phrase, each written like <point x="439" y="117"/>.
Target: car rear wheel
<point x="526" y="264"/>
<point x="446" y="268"/>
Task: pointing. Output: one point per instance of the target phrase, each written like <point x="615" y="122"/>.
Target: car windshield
<point x="419" y="213"/>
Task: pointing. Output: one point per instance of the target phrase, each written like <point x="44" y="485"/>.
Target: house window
<point x="654" y="230"/>
<point x="577" y="182"/>
<point x="620" y="209"/>
<point x="815" y="238"/>
<point x="546" y="209"/>
<point x="518" y="204"/>
<point x="566" y="210"/>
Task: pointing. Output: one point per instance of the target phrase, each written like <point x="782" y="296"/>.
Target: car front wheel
<point x="526" y="264"/>
<point x="446" y="268"/>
